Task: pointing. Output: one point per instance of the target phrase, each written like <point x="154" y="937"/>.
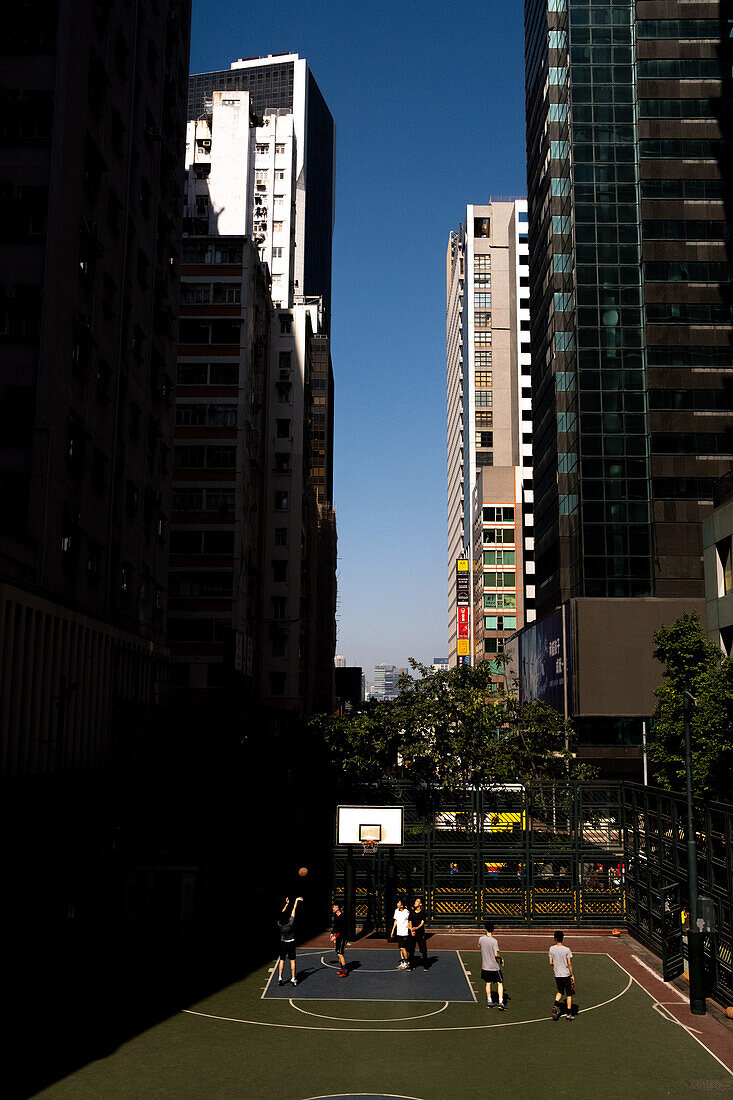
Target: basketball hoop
<point x="369" y="847"/>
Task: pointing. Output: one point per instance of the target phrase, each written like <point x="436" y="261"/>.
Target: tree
<point x="448" y="730"/>
<point x="692" y="663"/>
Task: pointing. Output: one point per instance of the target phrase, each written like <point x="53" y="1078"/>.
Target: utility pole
<point x="695" y="938"/>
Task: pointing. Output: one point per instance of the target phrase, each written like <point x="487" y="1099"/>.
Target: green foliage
<point x="449" y="730"/>
<point x="691" y="662"/>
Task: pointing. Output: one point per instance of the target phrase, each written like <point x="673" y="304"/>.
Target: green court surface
<point x="236" y="1043"/>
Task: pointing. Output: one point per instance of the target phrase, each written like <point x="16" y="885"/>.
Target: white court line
<point x="654" y="974"/>
<point x="403" y="1030"/>
<point x="360" y="1019"/>
<point x="388" y="1095"/>
<point x="468" y="980"/>
<point x="689" y="1030"/>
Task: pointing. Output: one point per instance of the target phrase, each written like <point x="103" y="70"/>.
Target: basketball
<point x="729" y="1012"/>
<point x="303" y="872"/>
<point x="616" y="932"/>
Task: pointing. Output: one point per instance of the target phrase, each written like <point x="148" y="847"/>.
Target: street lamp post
<point x="695" y="938"/>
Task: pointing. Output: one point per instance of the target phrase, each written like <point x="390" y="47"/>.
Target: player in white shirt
<point x="401" y="930"/>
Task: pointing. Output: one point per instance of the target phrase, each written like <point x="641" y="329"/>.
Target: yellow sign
<point x="461" y="565"/>
<point x="464" y="647"/>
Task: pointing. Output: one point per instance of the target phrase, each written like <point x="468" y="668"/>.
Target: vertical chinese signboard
<point x="463" y="613"/>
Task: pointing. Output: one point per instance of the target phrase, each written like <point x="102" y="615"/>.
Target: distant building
<point x="490" y="536"/>
<point x="385" y="682"/>
<point x="440" y="664"/>
<point x="339" y="661"/>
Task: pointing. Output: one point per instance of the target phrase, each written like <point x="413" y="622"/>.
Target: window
<point x="221" y="457"/>
<point x="282" y="462"/>
<point x="482" y="227"/>
<point x="286" y="324"/>
<point x="279" y="571"/>
<point x="560" y="223"/>
<point x="188" y="457"/>
<point x="224" y="374"/>
<point x="262" y="147"/>
<point x="500" y="600"/>
<point x="482" y="358"/>
<point x="281" y="500"/>
<point x="559" y="150"/>
<point x="277" y="683"/>
<point x="499" y="580"/>
<point x="563" y="341"/>
<point x="277" y="252"/>
<point x="562" y="263"/>
<point x="484" y="397"/>
<point x="558" y="75"/>
<point x="500" y="622"/>
<point x="563" y="302"/>
<point x="482" y="337"/>
<point x="278" y="200"/>
<point x="281" y="536"/>
<point x="188" y="500"/>
<point x="192" y="374"/>
<point x="558" y="112"/>
<point x="557" y="5"/>
<point x="560" y="188"/>
<point x="284" y="393"/>
<point x="226" y="293"/>
<point x="498" y="557"/>
<point x="498" y="515"/>
<point x="187" y="415"/>
<point x="280" y="147"/>
<point x="484" y="378"/>
<point x="282" y="429"/>
<point x="493" y="535"/>
<point x="277" y="227"/>
<point x="482" y="299"/>
<point x="482" y="263"/>
<point x="484" y="458"/>
<point x="484" y="419"/>
<point x="485" y="439"/>
<point x="220" y="500"/>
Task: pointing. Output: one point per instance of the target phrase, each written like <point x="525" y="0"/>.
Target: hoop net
<point x="369" y="847"/>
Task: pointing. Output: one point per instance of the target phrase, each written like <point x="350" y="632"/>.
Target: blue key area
<point x="373" y="977"/>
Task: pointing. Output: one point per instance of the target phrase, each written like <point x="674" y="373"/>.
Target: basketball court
<point x="424" y="1034"/>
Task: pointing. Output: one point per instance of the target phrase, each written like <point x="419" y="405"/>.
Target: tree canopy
<point x="448" y="730"/>
<point x="693" y="663"/>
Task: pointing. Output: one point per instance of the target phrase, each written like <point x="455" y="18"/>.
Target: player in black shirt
<point x="286" y="924"/>
<point x="338" y="938"/>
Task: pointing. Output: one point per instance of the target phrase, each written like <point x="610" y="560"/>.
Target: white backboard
<point x="357" y="823"/>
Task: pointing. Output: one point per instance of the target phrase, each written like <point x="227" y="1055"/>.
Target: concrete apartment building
<point x="259" y="142"/>
<point x="490" y="565"/>
<point x="92" y="141"/>
<point x="629" y="201"/>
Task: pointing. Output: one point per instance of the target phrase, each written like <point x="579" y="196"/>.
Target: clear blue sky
<point x="428" y="100"/>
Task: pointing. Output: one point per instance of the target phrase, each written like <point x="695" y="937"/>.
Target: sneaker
<point x="491" y="1004"/>
<point x="402" y="966"/>
<point x="569" y="1016"/>
<point x="280" y="981"/>
<point x="501" y="1006"/>
<point x="555" y="1012"/>
<point x="293" y="981"/>
<point x="343" y="973"/>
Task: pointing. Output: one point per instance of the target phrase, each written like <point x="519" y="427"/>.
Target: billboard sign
<point x="544" y="669"/>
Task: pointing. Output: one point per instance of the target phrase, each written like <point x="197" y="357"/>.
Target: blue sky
<point x="428" y="100"/>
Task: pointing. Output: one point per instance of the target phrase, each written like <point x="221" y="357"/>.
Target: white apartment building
<point x="489" y="434"/>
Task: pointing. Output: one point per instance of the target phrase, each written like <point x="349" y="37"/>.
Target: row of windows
<point x="602" y="74"/>
<point x="219" y="416"/>
<point x="484" y="397"/>
<point x="682" y="488"/>
<point x="500" y="622"/>
<point x="683" y="189"/>
<point x="206" y="293"/>
<point x="679" y="68"/>
<point x="482" y="358"/>
<point x="208" y="332"/>
<point x="204" y="252"/>
<point x="481" y="263"/>
<point x="484" y="419"/>
<point x="500" y="601"/>
<point x="482" y="299"/>
<point x="211" y="374"/>
<point x="600" y="56"/>
<point x="498" y="535"/>
<point x="500" y="580"/>
<point x="482" y="337"/>
<point x="203" y="500"/>
<point x="697" y="230"/>
<point x="484" y="439"/>
<point x="671" y="356"/>
<point x="484" y="378"/>
<point x="682" y="148"/>
<point x="499" y="557"/>
<point x="691" y="400"/>
<point x="679" y="108"/>
<point x="263" y="147"/>
<point x="689" y="313"/>
<point x="484" y="458"/>
<point x="481" y="319"/>
<point x="498" y="515"/>
<point x="200" y="457"/>
<point x="201" y="584"/>
<point x="678" y="28"/>
<point x="692" y="443"/>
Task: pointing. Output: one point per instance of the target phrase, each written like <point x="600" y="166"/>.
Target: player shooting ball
<point x="286" y="924"/>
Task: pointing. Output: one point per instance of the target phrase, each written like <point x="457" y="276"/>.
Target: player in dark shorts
<point x="286" y="924"/>
<point x="562" y="966"/>
<point x="417" y="934"/>
<point x="338" y="938"/>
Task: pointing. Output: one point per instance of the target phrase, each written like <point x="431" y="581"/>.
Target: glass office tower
<point x="629" y="271"/>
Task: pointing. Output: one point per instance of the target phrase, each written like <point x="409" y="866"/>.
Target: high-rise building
<point x="282" y="87"/>
<point x="629" y="187"/>
<point x="490" y="548"/>
<point x="256" y="157"/>
<point x="93" y="99"/>
<point x="386" y="682"/>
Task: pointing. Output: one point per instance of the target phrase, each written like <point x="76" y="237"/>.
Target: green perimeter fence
<point x="549" y="854"/>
